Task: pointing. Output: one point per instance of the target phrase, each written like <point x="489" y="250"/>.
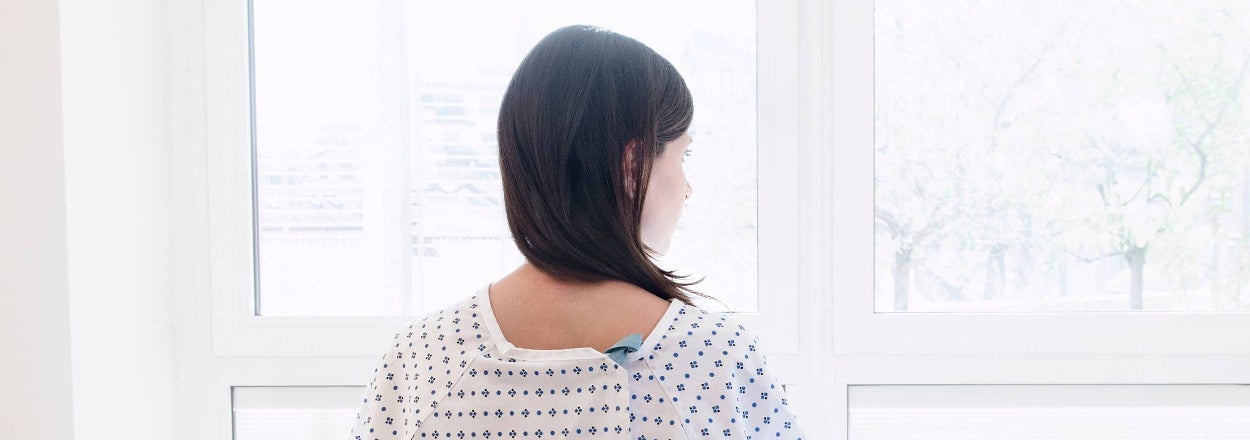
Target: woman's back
<point x="535" y="311"/>
<point x="453" y="374"/>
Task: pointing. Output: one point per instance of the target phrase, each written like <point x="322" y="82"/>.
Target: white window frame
<point x="862" y="331"/>
<point x="815" y="183"/>
<point x="222" y="344"/>
<point x="870" y="348"/>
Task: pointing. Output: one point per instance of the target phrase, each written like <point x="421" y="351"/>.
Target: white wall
<point x="85" y="221"/>
<point x="34" y="314"/>
<point x="115" y="83"/>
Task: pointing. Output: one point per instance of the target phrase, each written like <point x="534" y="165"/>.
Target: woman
<point x="588" y="337"/>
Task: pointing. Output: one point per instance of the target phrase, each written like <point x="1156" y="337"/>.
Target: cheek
<point x="666" y="192"/>
<point x="670" y="186"/>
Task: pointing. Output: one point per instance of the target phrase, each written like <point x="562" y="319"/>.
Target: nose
<point x="689" y="190"/>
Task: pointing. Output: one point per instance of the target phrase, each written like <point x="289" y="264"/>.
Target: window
<point x="1062" y="156"/>
<point x="916" y="138"/>
<point x="994" y="315"/>
<point x="338" y="184"/>
<point x="293" y="413"/>
<point x="868" y="323"/>
<point x="373" y="91"/>
<point x="362" y="252"/>
<point x="1049" y="411"/>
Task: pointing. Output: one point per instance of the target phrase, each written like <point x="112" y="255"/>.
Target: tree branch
<point x="1091" y="260"/>
<point x="1197" y="144"/>
<point x="928" y="228"/>
<point x="896" y="230"/>
<point x="1002" y="103"/>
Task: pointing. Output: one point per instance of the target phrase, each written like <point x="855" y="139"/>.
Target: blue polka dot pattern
<point x="452" y="375"/>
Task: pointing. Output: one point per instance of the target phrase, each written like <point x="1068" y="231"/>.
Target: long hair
<point x="575" y="104"/>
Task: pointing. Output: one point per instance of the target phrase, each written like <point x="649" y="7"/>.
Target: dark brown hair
<point x="580" y="98"/>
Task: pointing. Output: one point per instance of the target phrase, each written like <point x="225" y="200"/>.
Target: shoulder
<point x="426" y="357"/>
<point x="710" y="363"/>
<point x="718" y="328"/>
<point x="453" y="333"/>
<point x="447" y="316"/>
<point x="696" y="334"/>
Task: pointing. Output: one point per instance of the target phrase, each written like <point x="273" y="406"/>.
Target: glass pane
<point x="1058" y="156"/>
<point x="1104" y="412"/>
<point x="376" y="169"/>
<point x="294" y="413"/>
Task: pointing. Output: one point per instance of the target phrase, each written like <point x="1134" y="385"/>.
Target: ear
<point x="629" y="167"/>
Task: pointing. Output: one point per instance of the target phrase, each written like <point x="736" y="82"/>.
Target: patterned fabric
<point x="451" y="375"/>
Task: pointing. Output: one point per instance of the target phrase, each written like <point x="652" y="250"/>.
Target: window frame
<point x="831" y="339"/>
<point x="870" y="348"/>
<point x="863" y="331"/>
<point x="223" y="345"/>
<point x="237" y="331"/>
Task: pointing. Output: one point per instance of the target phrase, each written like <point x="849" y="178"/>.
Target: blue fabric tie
<point x="624" y="347"/>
